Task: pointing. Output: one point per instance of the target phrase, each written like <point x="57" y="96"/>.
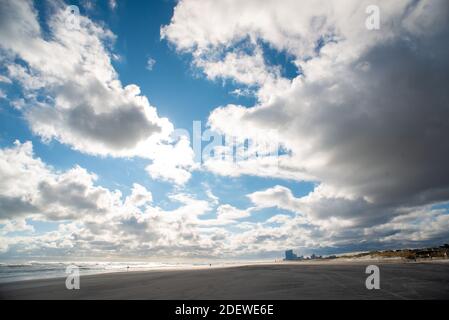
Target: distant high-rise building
<point x="289" y="255"/>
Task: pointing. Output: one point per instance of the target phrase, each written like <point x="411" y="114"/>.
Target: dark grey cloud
<point x="384" y="131"/>
<point x="69" y="199"/>
<point x="15" y="207"/>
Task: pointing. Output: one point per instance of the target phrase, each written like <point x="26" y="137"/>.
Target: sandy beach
<point x="343" y="280"/>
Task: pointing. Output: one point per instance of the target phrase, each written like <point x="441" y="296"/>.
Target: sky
<point x="185" y="130"/>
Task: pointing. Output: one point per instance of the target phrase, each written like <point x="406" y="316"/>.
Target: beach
<point x="335" y="280"/>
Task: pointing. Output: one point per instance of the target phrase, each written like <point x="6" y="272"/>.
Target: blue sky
<point x="100" y="121"/>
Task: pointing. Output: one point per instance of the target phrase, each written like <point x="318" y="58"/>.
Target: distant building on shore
<point x="291" y="256"/>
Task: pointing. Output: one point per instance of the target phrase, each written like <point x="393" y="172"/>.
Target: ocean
<point x="10" y="272"/>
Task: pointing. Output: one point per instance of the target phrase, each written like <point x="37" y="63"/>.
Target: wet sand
<point x="272" y="282"/>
